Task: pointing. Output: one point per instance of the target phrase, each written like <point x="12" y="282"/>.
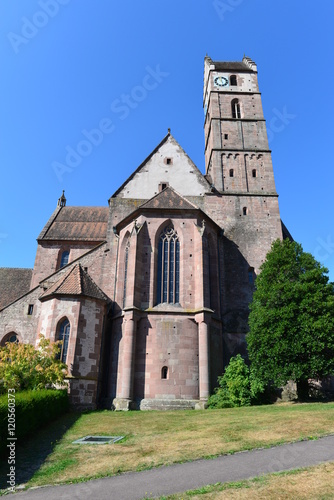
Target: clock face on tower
<point x="221" y="81"/>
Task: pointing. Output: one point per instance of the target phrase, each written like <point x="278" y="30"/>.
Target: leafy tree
<point x="24" y="367"/>
<point x="234" y="386"/>
<point x="291" y="319"/>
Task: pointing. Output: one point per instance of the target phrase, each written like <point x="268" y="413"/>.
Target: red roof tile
<point x="14" y="282"/>
<point x="76" y="282"/>
<point x="77" y="223"/>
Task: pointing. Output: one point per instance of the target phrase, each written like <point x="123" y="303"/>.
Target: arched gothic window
<point x="64" y="258"/>
<point x="164" y="372"/>
<point x="64" y="335"/>
<point x="126" y="260"/>
<point x="10" y="337"/>
<point x="168" y="282"/>
<point x="236" y="113"/>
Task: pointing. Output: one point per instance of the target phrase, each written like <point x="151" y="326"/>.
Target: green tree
<point x="22" y="366"/>
<point x="291" y="319"/>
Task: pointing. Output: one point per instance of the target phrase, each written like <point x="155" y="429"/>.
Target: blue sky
<point x="69" y="67"/>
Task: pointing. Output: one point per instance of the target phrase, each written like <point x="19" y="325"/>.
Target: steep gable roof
<point x="14" y="282"/>
<point x="168" y="198"/>
<point x="169" y="163"/>
<point x="76" y="224"/>
<point x="76" y="282"/>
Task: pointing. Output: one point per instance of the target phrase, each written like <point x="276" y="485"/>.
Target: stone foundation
<point x="167" y="404"/>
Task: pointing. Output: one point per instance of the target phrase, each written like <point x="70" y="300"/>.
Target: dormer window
<point x="233" y="80"/>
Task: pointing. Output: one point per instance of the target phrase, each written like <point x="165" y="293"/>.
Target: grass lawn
<point x="154" y="438"/>
<point x="309" y="483"/>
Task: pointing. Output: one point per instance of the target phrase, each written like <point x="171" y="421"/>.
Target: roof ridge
<point x="49" y="223"/>
<point x="142" y="164"/>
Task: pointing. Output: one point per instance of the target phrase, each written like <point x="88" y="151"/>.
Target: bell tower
<point x="237" y="155"/>
<point x="243" y="199"/>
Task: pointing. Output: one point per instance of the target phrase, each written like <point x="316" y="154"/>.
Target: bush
<point x="33" y="409"/>
<point x="23" y="367"/>
<point x="234" y="386"/>
<point x="237" y="387"/>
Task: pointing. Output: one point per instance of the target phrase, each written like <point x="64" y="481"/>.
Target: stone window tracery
<point x="168" y="279"/>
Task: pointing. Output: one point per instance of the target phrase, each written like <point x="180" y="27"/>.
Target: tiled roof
<point x="77" y="223"/>
<point x="76" y="282"/>
<point x="231" y="65"/>
<point x="14" y="282"/>
<point x="168" y="198"/>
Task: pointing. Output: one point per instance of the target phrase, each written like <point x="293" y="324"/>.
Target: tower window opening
<point x="236" y="113"/>
<point x="164" y="372"/>
<point x="244" y="211"/>
<point x="226" y="136"/>
<point x="30" y="309"/>
<point x="231" y="172"/>
<point x="233" y="80"/>
<point x="254" y="174"/>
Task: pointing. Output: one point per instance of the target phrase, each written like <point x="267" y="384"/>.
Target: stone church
<point x="150" y="294"/>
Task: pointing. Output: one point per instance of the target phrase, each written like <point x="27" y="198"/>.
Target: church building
<point x="150" y="293"/>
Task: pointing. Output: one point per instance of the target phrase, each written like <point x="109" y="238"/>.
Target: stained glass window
<point x="168" y="282"/>
<point x="64" y="335"/>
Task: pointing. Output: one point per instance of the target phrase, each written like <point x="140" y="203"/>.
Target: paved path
<point x="181" y="477"/>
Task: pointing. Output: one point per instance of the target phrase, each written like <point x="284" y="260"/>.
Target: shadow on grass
<point x="31" y="452"/>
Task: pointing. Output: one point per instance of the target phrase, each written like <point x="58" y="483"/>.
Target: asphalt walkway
<point x="181" y="477"/>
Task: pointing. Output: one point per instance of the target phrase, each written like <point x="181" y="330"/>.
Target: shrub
<point x="23" y="367"/>
<point x="33" y="409"/>
<point x="234" y="386"/>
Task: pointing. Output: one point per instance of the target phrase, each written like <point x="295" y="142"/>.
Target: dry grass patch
<point x="312" y="483"/>
<point x="156" y="438"/>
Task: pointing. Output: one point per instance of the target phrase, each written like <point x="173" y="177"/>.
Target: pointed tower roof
<point x="76" y="282"/>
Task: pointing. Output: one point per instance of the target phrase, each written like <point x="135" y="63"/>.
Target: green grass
<point x="160" y="438"/>
<point x="311" y="482"/>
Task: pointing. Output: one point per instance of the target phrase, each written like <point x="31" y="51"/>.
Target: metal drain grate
<point x="98" y="440"/>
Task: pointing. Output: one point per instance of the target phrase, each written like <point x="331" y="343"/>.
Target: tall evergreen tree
<point x="291" y="319"/>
